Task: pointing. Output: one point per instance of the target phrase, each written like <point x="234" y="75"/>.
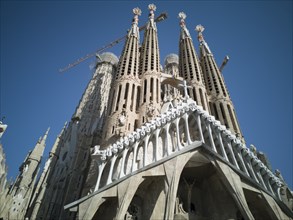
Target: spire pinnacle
<point x="46" y="135"/>
<point x="182" y="16"/>
<point x="199" y="28"/>
<point x="136" y="12"/>
<point x="184" y="30"/>
<point x="134" y="29"/>
<point x="152" y="9"/>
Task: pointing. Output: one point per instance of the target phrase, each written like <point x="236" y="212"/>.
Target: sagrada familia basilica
<point x="149" y="142"/>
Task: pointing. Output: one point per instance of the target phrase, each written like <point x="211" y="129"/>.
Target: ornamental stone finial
<point x="137" y="12"/>
<point x="152" y="7"/>
<point x="199" y="28"/>
<point x="184" y="30"/>
<point x="182" y="17"/>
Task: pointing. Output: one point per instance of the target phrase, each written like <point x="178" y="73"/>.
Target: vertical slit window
<point x="158" y="91"/>
<point x="112" y="101"/>
<point x="132" y="97"/>
<point x="152" y="89"/>
<point x="215" y="111"/>
<point x="126" y="95"/>
<point x="194" y="95"/>
<point x="224" y="115"/>
<point x="202" y="99"/>
<point x="135" y="124"/>
<point x="145" y="90"/>
<point x="138" y="98"/>
<point x="118" y="98"/>
<point x="232" y="118"/>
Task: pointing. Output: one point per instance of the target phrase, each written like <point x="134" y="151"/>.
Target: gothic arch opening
<point x="128" y="162"/>
<point x="172" y="138"/>
<point x="193" y="128"/>
<point x="148" y="200"/>
<point x="150" y="157"/>
<point x="139" y="156"/>
<point x="201" y="193"/>
<point x="257" y="205"/>
<point x="117" y="168"/>
<point x="182" y="132"/>
<point x="105" y="174"/>
<point x="105" y="211"/>
<point x="161" y="144"/>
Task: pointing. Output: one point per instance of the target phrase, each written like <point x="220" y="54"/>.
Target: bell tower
<point x="189" y="66"/>
<point x="149" y="70"/>
<point x="123" y="107"/>
<point x="220" y="103"/>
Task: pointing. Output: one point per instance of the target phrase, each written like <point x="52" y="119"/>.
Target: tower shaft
<point x="189" y="66"/>
<point x="126" y="88"/>
<point x="220" y="103"/>
<point x="150" y="97"/>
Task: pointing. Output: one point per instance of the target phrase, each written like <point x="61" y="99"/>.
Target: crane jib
<point x="160" y="18"/>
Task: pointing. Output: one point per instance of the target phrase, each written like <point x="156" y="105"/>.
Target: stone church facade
<point x="151" y="142"/>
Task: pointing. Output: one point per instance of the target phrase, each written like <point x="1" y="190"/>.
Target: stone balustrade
<point x="180" y="129"/>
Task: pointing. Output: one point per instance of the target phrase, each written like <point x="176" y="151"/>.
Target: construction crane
<point x="161" y="17"/>
<point x="225" y="61"/>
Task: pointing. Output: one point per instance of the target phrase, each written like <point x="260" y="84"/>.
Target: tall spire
<point x="42" y="185"/>
<point x="150" y="57"/>
<point x="149" y="70"/>
<point x="184" y="31"/>
<point x="25" y="182"/>
<point x="204" y="49"/>
<point x="38" y="151"/>
<point x="123" y="102"/>
<point x="220" y="103"/>
<point x="189" y="67"/>
<point x="128" y="63"/>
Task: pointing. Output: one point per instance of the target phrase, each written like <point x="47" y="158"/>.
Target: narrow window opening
<point x="202" y="99"/>
<point x="232" y="119"/>
<point x="194" y="95"/>
<point x="145" y="90"/>
<point x="126" y="95"/>
<point x="138" y="98"/>
<point x="151" y="89"/>
<point x="132" y="97"/>
<point x="112" y="100"/>
<point x="118" y="98"/>
<point x="158" y="91"/>
<point x="215" y="111"/>
<point x="135" y="124"/>
<point x="224" y="115"/>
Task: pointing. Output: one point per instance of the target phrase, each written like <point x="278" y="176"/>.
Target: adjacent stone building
<point x="148" y="142"/>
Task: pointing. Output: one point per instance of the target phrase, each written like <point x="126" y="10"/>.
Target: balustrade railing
<point x="171" y="132"/>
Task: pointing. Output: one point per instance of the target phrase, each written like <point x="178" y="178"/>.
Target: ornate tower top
<point x="184" y="31"/>
<point x="199" y="28"/>
<point x="134" y="29"/>
<point x="136" y="12"/>
<point x="152" y="9"/>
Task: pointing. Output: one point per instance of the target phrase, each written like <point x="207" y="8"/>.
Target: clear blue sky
<point x="38" y="38"/>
